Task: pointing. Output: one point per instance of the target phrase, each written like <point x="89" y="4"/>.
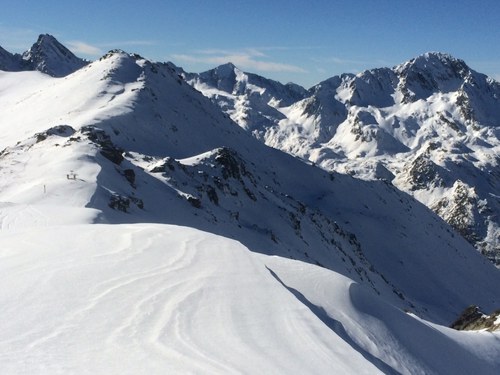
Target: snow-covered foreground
<point x="156" y="299"/>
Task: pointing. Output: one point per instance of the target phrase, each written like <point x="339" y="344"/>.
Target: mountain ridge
<point x="369" y="124"/>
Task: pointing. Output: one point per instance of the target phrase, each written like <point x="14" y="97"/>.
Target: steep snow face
<point x="47" y="55"/>
<point x="424" y="125"/>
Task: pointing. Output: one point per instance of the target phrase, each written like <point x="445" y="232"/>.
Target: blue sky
<point x="288" y="40"/>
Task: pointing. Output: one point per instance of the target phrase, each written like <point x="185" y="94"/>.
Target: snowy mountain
<point x="249" y="99"/>
<point x="143" y="231"/>
<point x="47" y="55"/>
<point x="429" y="125"/>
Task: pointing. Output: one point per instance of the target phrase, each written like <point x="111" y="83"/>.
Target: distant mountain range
<point x="109" y="176"/>
<point x="430" y="126"/>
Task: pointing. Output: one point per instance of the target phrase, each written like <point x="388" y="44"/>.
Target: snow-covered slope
<point x="127" y="142"/>
<point x="156" y="299"/>
<point x="429" y="125"/>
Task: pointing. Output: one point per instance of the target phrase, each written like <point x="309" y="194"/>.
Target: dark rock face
<point x="10" y="62"/>
<point x="129" y="175"/>
<point x="474" y="319"/>
<point x="122" y="203"/>
<point x="424" y="173"/>
<point x="47" y="55"/>
<point x="103" y="140"/>
<point x="230" y="165"/>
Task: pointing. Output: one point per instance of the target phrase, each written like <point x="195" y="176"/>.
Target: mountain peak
<point x="228" y="66"/>
<point x="46" y="39"/>
<point x="436" y="62"/>
<point x="119" y="53"/>
<point x="49" y="56"/>
<point x="433" y="55"/>
<point x="438" y="59"/>
<point x="224" y="77"/>
<point x="227" y="70"/>
<point x="429" y="73"/>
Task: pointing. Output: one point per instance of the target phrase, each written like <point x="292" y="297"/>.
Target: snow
<point x="150" y="299"/>
<point x="82" y="98"/>
<point x="212" y="267"/>
<point x="153" y="299"/>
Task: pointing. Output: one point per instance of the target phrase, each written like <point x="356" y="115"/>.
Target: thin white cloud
<point x="84" y="48"/>
<point x="223" y="52"/>
<point x="287" y="48"/>
<point x="251" y="59"/>
<point x="129" y="43"/>
<point x="255" y="51"/>
<point x="346" y="61"/>
<point x="339" y="61"/>
<point x="78" y="46"/>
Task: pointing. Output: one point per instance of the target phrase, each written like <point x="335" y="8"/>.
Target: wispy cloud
<point x="346" y="61"/>
<point x="78" y="46"/>
<point x="251" y="58"/>
<point x="128" y="43"/>
<point x="84" y="48"/>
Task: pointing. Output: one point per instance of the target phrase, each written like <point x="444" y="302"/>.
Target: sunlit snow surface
<point x="155" y="299"/>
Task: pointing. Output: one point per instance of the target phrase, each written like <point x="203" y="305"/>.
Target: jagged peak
<point x="49" y="56"/>
<point x="120" y="54"/>
<point x="437" y="56"/>
<point x="334" y="81"/>
<point x="375" y="72"/>
<point x="226" y="66"/>
<point x="46" y="39"/>
<point x="429" y="73"/>
<point x="434" y="60"/>
<point x="44" y="44"/>
<point x="227" y="70"/>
